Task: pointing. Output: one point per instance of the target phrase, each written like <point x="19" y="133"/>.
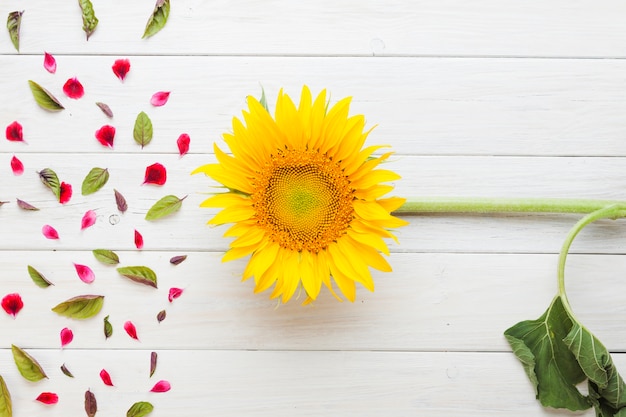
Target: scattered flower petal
<point x="138" y="240"/>
<point x="105" y="109"/>
<point x="66" y="336"/>
<point x="14" y="132"/>
<point x="106" y="135"/>
<point x="48" y="398"/>
<point x="89" y="219"/>
<point x="176" y="260"/>
<point x="131" y="330"/>
<point x="65" y="192"/>
<point x="160" y="98"/>
<point x="161" y="386"/>
<point x="174" y="293"/>
<point x="121" y="68"/>
<point x="73" y="88"/>
<point x="12" y="304"/>
<point x="155" y="174"/>
<point x="183" y="144"/>
<point x="106" y="378"/>
<point x="17" y="166"/>
<point x="49" y="63"/>
<point x="161" y="315"/>
<point x="85" y="273"/>
<point x="49" y="232"/>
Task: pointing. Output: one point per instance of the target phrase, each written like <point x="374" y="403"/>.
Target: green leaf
<point x="140" y="274"/>
<point x="90" y="21"/>
<point x="108" y="328"/>
<point x="106" y="256"/>
<point x="44" y="98"/>
<point x="263" y="100"/>
<point x="95" y="180"/>
<point x="13" y="25"/>
<point x="158" y="19"/>
<point x="38" y="278"/>
<point x="80" y="307"/>
<point x="169" y="204"/>
<point x="142" y="132"/>
<point x="140" y="409"/>
<point x="27" y="365"/>
<point x="6" y="407"/>
<point x="49" y="178"/>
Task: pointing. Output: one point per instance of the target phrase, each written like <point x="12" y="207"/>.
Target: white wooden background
<point x="485" y="98"/>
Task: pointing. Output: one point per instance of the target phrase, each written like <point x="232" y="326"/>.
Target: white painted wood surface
<point x="484" y="98"/>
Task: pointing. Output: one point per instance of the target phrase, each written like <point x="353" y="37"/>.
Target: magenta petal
<point x="106" y="135"/>
<point x="183" y="144"/>
<point x="66" y="336"/>
<point x="85" y="273"/>
<point x="12" y="304"/>
<point x="14" y="132"/>
<point x="174" y="293"/>
<point x="48" y="398"/>
<point x="160" y="98"/>
<point x="161" y="386"/>
<point x="138" y="240"/>
<point x="131" y="330"/>
<point x="49" y="232"/>
<point x="73" y="88"/>
<point x="65" y="192"/>
<point x="155" y="174"/>
<point x="17" y="166"/>
<point x="89" y="219"/>
<point x="49" y="63"/>
<point x="106" y="378"/>
<point x="120" y="68"/>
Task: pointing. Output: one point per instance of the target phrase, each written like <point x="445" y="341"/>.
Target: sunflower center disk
<point x="303" y="200"/>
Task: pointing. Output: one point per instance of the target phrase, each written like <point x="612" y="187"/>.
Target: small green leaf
<point x="27" y="365"/>
<point x="49" y="178"/>
<point x="44" y="98"/>
<point x="106" y="256"/>
<point x="6" y="407"/>
<point x="80" y="307"/>
<point x="140" y="274"/>
<point x="108" y="328"/>
<point x="13" y="25"/>
<point x="95" y="180"/>
<point x="169" y="204"/>
<point x="38" y="278"/>
<point x="140" y="409"/>
<point x="263" y="100"/>
<point x="142" y="132"/>
<point x="158" y="19"/>
<point x="66" y="371"/>
<point x="90" y="21"/>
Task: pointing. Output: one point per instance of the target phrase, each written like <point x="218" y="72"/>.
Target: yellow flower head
<point x="304" y="197"/>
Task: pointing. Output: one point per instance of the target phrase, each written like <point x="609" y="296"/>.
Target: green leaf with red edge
<point x="95" y="180"/>
<point x="90" y="21"/>
<point x="14" y="20"/>
<point x="158" y="18"/>
<point x="6" y="406"/>
<point x="166" y="206"/>
<point x="44" y="98"/>
<point x="27" y="365"/>
<point x="80" y="307"/>
<point x="50" y="179"/>
<point x="142" y="132"/>
<point x="140" y="409"/>
<point x="106" y="256"/>
<point x="140" y="274"/>
<point x="38" y="278"/>
<point x="26" y="206"/>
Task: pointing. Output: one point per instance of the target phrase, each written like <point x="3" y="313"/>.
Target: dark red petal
<point x="14" y="132"/>
<point x="183" y="144"/>
<point x="49" y="232"/>
<point x="66" y="336"/>
<point x="138" y="240"/>
<point x="160" y="98"/>
<point x="161" y="386"/>
<point x="106" y="378"/>
<point x="85" y="273"/>
<point x="49" y="63"/>
<point x="73" y="88"/>
<point x="106" y="135"/>
<point x="174" y="293"/>
<point x="12" y="303"/>
<point x="155" y="174"/>
<point x="17" y="166"/>
<point x="66" y="193"/>
<point x="131" y="330"/>
<point x="48" y="398"/>
<point x="121" y="68"/>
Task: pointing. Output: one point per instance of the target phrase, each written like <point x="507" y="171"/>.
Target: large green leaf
<point x="95" y="179"/>
<point x="139" y="409"/>
<point x="44" y="98"/>
<point x="140" y="274"/>
<point x="167" y="205"/>
<point x="27" y="365"/>
<point x="6" y="408"/>
<point x="106" y="256"/>
<point x="90" y="21"/>
<point x="80" y="307"/>
<point x="13" y="26"/>
<point x="142" y="132"/>
<point x="158" y="18"/>
<point x="38" y="278"/>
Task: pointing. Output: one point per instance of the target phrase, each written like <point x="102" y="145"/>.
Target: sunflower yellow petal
<point x="233" y="214"/>
<point x="311" y="279"/>
<point x="225" y="200"/>
<point x="375" y="177"/>
<point x="236" y="253"/>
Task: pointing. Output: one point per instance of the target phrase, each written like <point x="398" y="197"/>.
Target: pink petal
<point x="89" y="219"/>
<point x="66" y="336"/>
<point x="49" y="232"/>
<point x="73" y="88"/>
<point x="106" y="135"/>
<point x="174" y="293"/>
<point x="106" y="378"/>
<point x="12" y="304"/>
<point x="49" y="63"/>
<point x="183" y="144"/>
<point x="131" y="330"/>
<point x="48" y="398"/>
<point x="160" y="98"/>
<point x="161" y="386"/>
<point x="65" y="192"/>
<point x="17" y="166"/>
<point x="14" y="132"/>
<point x="121" y="68"/>
<point x="155" y="174"/>
<point x="85" y="273"/>
<point x="138" y="240"/>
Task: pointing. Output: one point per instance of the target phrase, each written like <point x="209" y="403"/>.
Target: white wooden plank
<point x="420" y="106"/>
<point x="589" y="28"/>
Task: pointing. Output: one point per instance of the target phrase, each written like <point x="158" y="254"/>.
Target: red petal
<point x="155" y="174"/>
<point x="49" y="63"/>
<point x="66" y="336"/>
<point x="183" y="144"/>
<point x="131" y="330"/>
<point x="161" y="386"/>
<point x="48" y="398"/>
<point x="138" y="240"/>
<point x="85" y="273"/>
<point x="14" y="132"/>
<point x="174" y="293"/>
<point x="17" y="166"/>
<point x="66" y="193"/>
<point x="73" y="88"/>
<point x="106" y="378"/>
<point x="121" y="68"/>
<point x="89" y="219"/>
<point x="106" y="135"/>
<point x="160" y="98"/>
<point x="49" y="232"/>
<point x="12" y="304"/>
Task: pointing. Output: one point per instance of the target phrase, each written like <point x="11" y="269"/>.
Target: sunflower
<point x="304" y="197"/>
